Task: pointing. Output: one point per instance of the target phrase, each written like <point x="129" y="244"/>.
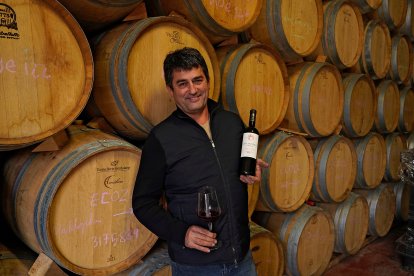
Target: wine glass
<point x="208" y="208"/>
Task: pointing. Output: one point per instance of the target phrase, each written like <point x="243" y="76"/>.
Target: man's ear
<point x="170" y="91"/>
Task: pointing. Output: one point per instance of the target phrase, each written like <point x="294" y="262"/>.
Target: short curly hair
<point x="183" y="59"/>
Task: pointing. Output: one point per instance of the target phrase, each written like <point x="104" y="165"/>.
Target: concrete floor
<point x="378" y="258"/>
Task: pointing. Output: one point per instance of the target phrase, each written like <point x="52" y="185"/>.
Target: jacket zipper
<point x="228" y="193"/>
<point x="224" y="181"/>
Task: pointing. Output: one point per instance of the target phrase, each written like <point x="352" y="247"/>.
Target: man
<point x="197" y="145"/>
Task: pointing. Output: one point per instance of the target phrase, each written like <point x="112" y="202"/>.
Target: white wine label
<point x="249" y="145"/>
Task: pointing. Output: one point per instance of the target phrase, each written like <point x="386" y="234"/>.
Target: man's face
<point x="190" y="90"/>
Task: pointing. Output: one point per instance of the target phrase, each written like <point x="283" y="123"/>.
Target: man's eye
<point x="197" y="81"/>
<point x="182" y="84"/>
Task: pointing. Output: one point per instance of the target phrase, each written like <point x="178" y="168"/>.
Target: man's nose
<point x="192" y="87"/>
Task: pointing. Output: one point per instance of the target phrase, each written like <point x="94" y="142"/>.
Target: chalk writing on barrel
<point x="114" y="239"/>
<point x="227" y="7"/>
<point x="34" y="70"/>
<point x="257" y="88"/>
<point x="126" y="212"/>
<point x="105" y="197"/>
<point x="78" y="225"/>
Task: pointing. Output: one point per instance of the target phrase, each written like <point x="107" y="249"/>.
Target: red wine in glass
<point x="209" y="217"/>
<point x="208" y="208"/>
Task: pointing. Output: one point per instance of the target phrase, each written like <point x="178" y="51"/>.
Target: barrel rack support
<point x="45" y="266"/>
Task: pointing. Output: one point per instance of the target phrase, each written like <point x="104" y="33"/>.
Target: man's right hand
<point x="200" y="238"/>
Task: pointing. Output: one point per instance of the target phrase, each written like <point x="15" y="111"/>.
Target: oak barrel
<point x="408" y="26"/>
<point x="395" y="143"/>
<point x="371" y="154"/>
<point x="335" y="169"/>
<point x="375" y="58"/>
<point x="95" y="15"/>
<point x="15" y="259"/>
<point x="351" y="222"/>
<point x="46" y="71"/>
<point x="388" y="106"/>
<point x="307" y="235"/>
<point x="253" y="192"/>
<point x="292" y="27"/>
<point x="393" y="13"/>
<point x="316" y="99"/>
<point x="74" y="204"/>
<point x="402" y="193"/>
<point x="219" y="20"/>
<point x="342" y="35"/>
<point x="287" y="183"/>
<point x="367" y="6"/>
<point x="254" y="76"/>
<point x="129" y="89"/>
<point x="267" y="251"/>
<point x="401" y="59"/>
<point x="359" y="105"/>
<point x="381" y="202"/>
<point x="406" y="116"/>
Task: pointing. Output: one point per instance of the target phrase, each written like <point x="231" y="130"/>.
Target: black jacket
<point x="179" y="158"/>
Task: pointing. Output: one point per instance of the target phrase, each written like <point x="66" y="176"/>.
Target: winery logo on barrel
<point x="8" y="22"/>
<point x="259" y="59"/>
<point x="113" y="167"/>
<point x="175" y="37"/>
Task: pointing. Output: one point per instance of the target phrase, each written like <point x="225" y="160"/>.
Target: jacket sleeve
<point x="147" y="193"/>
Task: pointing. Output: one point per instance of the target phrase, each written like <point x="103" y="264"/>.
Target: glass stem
<point x="210" y="226"/>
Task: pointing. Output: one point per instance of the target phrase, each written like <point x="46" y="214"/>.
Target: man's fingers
<point x="200" y="238"/>
<point x="248" y="179"/>
<point x="262" y="163"/>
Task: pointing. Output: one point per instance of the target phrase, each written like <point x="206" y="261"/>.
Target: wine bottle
<point x="249" y="147"/>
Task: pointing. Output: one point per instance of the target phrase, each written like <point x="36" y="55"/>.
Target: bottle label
<point x="249" y="145"/>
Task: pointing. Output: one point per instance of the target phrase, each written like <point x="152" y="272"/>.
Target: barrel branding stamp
<point x="8" y="22"/>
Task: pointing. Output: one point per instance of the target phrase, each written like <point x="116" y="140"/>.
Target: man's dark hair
<point x="183" y="59"/>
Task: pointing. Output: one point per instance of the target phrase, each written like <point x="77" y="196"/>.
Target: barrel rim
<point x="366" y="55"/>
<point x="349" y="83"/>
<point x="361" y="144"/>
<point x="320" y="189"/>
<point x="329" y="39"/>
<point x="267" y="153"/>
<point x="302" y="91"/>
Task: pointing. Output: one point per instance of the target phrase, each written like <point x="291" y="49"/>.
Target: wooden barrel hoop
<point x="343" y="226"/>
<point x="359" y="105"/>
<point x="323" y="188"/>
<point x="301" y="99"/>
<point x="406" y="117"/>
<point x="388" y="106"/>
<point x="330" y="34"/>
<point x="371" y="154"/>
<point x="270" y="196"/>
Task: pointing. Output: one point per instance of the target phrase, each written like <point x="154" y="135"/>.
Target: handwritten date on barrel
<point x="114" y="239"/>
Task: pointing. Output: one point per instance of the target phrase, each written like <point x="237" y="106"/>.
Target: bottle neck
<point x="252" y="123"/>
<point x="252" y="119"/>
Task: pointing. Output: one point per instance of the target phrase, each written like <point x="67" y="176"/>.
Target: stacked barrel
<point x="331" y="81"/>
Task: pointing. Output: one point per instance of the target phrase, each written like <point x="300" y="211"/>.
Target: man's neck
<point x="200" y="118"/>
